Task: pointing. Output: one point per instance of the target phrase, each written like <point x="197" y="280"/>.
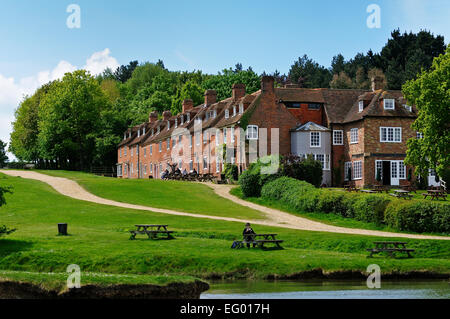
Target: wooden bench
<point x="435" y="194"/>
<point x="253" y="240"/>
<point x="390" y="247"/>
<point x="402" y="194"/>
<point x="369" y="191"/>
<point x="152" y="231"/>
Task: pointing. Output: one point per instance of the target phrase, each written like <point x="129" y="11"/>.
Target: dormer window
<point x="158" y="130"/>
<point x="407" y="107"/>
<point x="188" y="117"/>
<point x="214" y="113"/>
<point x="168" y="125"/>
<point x="176" y="123"/>
<point x="241" y="108"/>
<point x="129" y="134"/>
<point x="124" y="136"/>
<point x="389" y="104"/>
<point x="182" y="119"/>
<point x="234" y="110"/>
<point x="153" y="131"/>
<point x="139" y="132"/>
<point x="143" y="131"/>
<point x="227" y="113"/>
<point x="361" y="106"/>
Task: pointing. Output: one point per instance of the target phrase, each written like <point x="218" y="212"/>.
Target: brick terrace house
<point x="361" y="129"/>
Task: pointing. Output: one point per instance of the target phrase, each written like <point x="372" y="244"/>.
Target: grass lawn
<point x="99" y="243"/>
<point x="176" y="195"/>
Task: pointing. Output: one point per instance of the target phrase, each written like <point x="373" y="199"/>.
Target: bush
<point x="253" y="179"/>
<point x="231" y="172"/>
<point x="308" y="169"/>
<point x="370" y="208"/>
<point x="419" y="216"/>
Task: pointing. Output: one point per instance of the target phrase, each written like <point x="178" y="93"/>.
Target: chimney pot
<point x="238" y="91"/>
<point x="188" y="104"/>
<point x="153" y="117"/>
<point x="166" y="115"/>
<point x="210" y="97"/>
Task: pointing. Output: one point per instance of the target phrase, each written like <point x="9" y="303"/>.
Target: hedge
<point x="416" y="216"/>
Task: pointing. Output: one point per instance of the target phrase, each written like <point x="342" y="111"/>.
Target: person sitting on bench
<point x="248" y="230"/>
<point x="184" y="172"/>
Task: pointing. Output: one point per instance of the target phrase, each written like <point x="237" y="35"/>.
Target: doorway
<point x="386" y="173"/>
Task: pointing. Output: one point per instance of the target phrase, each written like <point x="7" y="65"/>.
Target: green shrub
<point x="297" y="167"/>
<point x="250" y="183"/>
<point x="370" y="208"/>
<point x="253" y="179"/>
<point x="419" y="216"/>
<point x="231" y="171"/>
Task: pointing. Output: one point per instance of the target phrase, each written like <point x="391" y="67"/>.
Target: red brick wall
<point x="304" y="115"/>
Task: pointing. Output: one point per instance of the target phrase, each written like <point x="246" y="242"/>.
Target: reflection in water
<point x="310" y="289"/>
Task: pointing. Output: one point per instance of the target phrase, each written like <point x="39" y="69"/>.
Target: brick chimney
<point x="153" y="117"/>
<point x="166" y="115"/>
<point x="210" y="97"/>
<point x="377" y="83"/>
<point x="238" y="91"/>
<point x="188" y="104"/>
<point x="267" y="84"/>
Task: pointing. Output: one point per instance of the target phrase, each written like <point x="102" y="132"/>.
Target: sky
<point x="37" y="45"/>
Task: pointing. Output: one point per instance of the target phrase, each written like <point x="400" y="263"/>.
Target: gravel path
<point x="275" y="217"/>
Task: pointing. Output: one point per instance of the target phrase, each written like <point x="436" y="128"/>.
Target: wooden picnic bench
<point x="152" y="231"/>
<point x="435" y="194"/>
<point x="380" y="188"/>
<point x="400" y="193"/>
<point x="253" y="239"/>
<point x="351" y="188"/>
<point x="390" y="247"/>
<point x="370" y="191"/>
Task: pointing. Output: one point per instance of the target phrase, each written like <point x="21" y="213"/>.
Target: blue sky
<point x="37" y="46"/>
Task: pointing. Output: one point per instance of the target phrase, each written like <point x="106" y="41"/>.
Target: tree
<point x="310" y="73"/>
<point x="341" y="81"/>
<point x="431" y="95"/>
<point x="70" y="118"/>
<point x="3" y="156"/>
<point x="124" y="72"/>
<point x="190" y="90"/>
<point x="3" y="229"/>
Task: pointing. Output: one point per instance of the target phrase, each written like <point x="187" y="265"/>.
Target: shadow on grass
<point x="11" y="246"/>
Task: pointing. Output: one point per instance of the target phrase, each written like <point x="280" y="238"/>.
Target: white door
<point x="394" y="173"/>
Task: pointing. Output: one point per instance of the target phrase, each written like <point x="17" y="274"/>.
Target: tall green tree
<point x="3" y="156"/>
<point x="309" y="73"/>
<point x="430" y="93"/>
<point x="69" y="119"/>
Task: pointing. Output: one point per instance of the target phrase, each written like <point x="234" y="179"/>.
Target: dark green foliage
<point x="3" y="229"/>
<point x="309" y="73"/>
<point x="258" y="174"/>
<point x="3" y="156"/>
<point x="419" y="216"/>
<point x="299" y="168"/>
<point x="231" y="171"/>
<point x="370" y="208"/>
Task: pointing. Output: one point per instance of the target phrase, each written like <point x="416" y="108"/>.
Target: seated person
<point x="177" y="171"/>
<point x="184" y="172"/>
<point x="194" y="172"/>
<point x="248" y="230"/>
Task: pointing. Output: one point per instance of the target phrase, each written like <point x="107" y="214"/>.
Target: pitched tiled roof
<point x="338" y="103"/>
<point x="249" y="99"/>
<point x="300" y="95"/>
<point x="310" y="126"/>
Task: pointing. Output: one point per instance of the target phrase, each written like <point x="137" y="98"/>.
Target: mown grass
<point x="99" y="243"/>
<point x="176" y="195"/>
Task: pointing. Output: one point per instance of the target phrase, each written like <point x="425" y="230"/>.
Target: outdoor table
<point x="401" y="193"/>
<point x="390" y="247"/>
<point x="151" y="231"/>
<point x="265" y="238"/>
<point x="435" y="194"/>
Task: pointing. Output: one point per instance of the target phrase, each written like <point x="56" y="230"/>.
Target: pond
<point x="330" y="289"/>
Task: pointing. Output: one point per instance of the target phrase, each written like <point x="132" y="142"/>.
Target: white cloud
<point x="13" y="90"/>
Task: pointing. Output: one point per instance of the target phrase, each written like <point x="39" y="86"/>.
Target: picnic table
<point x="350" y="188"/>
<point x="390" y="247"/>
<point x="410" y="188"/>
<point x="435" y="194"/>
<point x="253" y="239"/>
<point x="401" y="193"/>
<point x="152" y="231"/>
<point x="380" y="188"/>
<point x="370" y="191"/>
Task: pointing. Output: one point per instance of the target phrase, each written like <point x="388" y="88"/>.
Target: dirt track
<point x="275" y="217"/>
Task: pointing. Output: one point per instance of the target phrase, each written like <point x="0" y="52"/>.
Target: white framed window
<point x="151" y="168"/>
<point x="139" y="132"/>
<point x="168" y="125"/>
<point x="180" y="139"/>
<point x="326" y="166"/>
<point x="214" y="114"/>
<point x="132" y="168"/>
<point x="378" y="168"/>
<point x="357" y="170"/>
<point x="217" y="137"/>
<point x="354" y="136"/>
<point x="188" y="117"/>
<point x="360" y="106"/>
<point x="168" y="143"/>
<point x="338" y="137"/>
<point x="347" y="166"/>
<point x="389" y="104"/>
<point x="151" y="149"/>
<point x="205" y="163"/>
<point x="418" y="135"/>
<point x="145" y="169"/>
<point x="234" y="110"/>
<point x="205" y="137"/>
<point x="407" y="107"/>
<point x="190" y="141"/>
<point x="401" y="170"/>
<point x="217" y="164"/>
<point x="120" y="152"/>
<point x="227" y="113"/>
<point x="176" y="122"/>
<point x="160" y="147"/>
<point x="182" y="119"/>
<point x="145" y="152"/>
<point x="191" y="165"/>
<point x="241" y="108"/>
<point x="153" y="131"/>
<point x="143" y="131"/>
<point x="391" y="134"/>
<point x="131" y="149"/>
<point x="158" y="130"/>
<point x="252" y="132"/>
<point x="225" y="135"/>
<point x="125" y="150"/>
<point x="314" y="139"/>
<point x="232" y="134"/>
<point x="180" y="164"/>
